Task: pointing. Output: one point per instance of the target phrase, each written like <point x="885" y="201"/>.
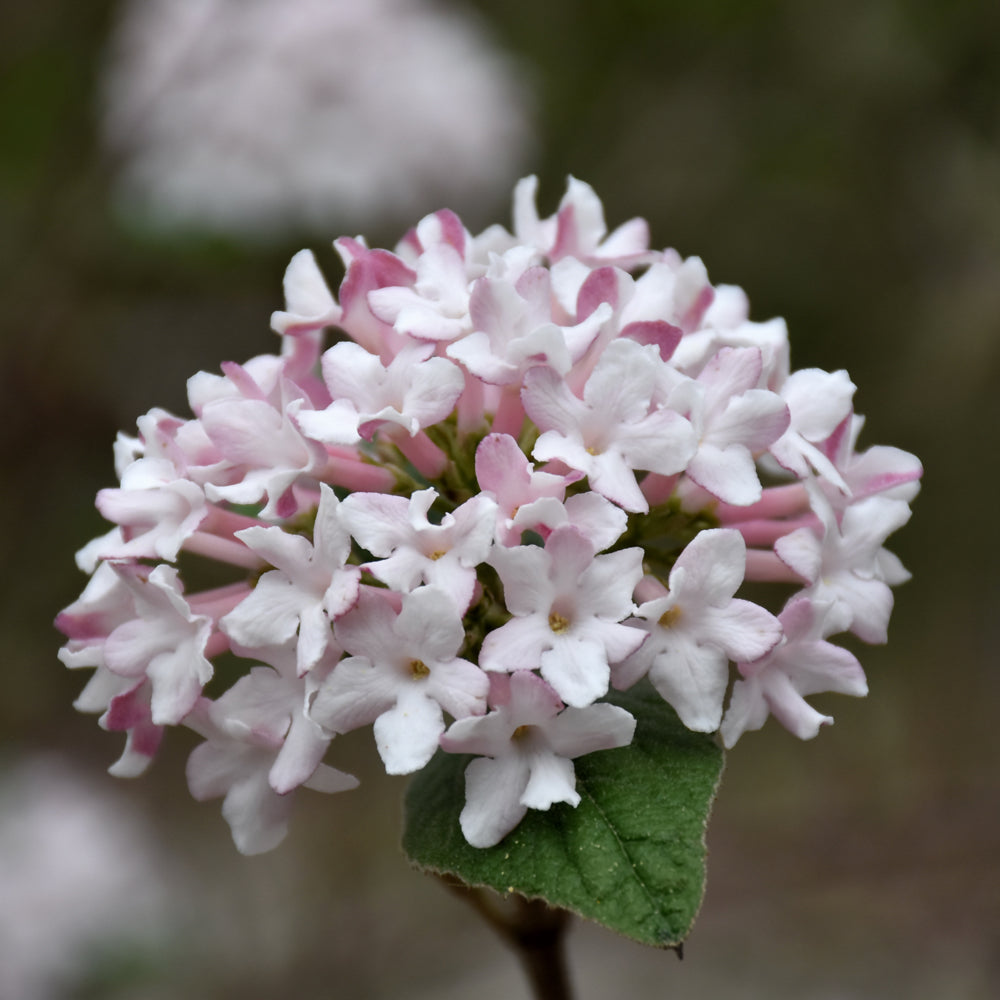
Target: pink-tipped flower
<point x="803" y="663"/>
<point x="845" y="563"/>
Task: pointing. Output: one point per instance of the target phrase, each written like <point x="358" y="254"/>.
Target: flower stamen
<point x="558" y="623"/>
<point x="670" y="617"/>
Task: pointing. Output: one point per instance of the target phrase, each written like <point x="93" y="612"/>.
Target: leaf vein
<point x="624" y="852"/>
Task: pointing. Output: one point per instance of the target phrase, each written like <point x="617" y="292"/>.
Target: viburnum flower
<point x="847" y="564"/>
<point x="696" y="627"/>
<point x="525" y="749"/>
<point x="733" y="420"/>
<point x="614" y="430"/>
<point x="800" y="664"/>
<point x="529" y="478"/>
<point x="402" y="674"/>
<point x="568" y="603"/>
<point x="416" y="550"/>
<point x="310" y="587"/>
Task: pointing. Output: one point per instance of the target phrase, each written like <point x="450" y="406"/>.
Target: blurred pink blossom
<point x="252" y="117"/>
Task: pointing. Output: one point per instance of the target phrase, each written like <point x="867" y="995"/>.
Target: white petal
<point x="407" y="735"/>
<point x="790" y="708"/>
<point x="578" y="731"/>
<point x="693" y="679"/>
<point x="269" y="615"/>
<point x="354" y="695"/>
<point x="801" y="551"/>
<point x="379" y="521"/>
<point x="551" y="779"/>
<point x="714" y="563"/>
<point x="524" y="571"/>
<point x="337" y="424"/>
<point x="459" y="687"/>
<point x="428" y="625"/>
<point x="257" y="816"/>
<point x="728" y="473"/>
<point x="577" y="669"/>
<point x="299" y="755"/>
<point x="743" y="630"/>
<point x="516" y="645"/>
<point x="307" y="298"/>
<point x="818" y="401"/>
<point x="493" y="790"/>
<point x="747" y="711"/>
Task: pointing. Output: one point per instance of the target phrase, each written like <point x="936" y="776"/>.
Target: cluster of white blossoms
<point x="534" y="467"/>
<point x="371" y="108"/>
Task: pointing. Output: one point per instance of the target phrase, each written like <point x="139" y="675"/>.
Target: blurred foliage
<point x="840" y="161"/>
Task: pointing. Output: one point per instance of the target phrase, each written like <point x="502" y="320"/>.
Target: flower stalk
<point x="533" y="930"/>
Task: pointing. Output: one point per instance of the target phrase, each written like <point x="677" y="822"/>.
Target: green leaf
<point x="631" y="855"/>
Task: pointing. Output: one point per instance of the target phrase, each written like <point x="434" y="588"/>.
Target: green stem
<point x="535" y="931"/>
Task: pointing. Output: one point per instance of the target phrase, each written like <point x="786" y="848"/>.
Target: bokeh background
<point x="841" y="162"/>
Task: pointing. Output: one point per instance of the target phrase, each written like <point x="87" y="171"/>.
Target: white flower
<point x="309" y="309"/>
<point x="514" y="327"/>
<point x="402" y="672"/>
<point x="880" y="470"/>
<point x="413" y="391"/>
<point x="415" y="551"/>
<point x="504" y="472"/>
<point x="164" y="642"/>
<point x="803" y="663"/>
<point x="818" y="402"/>
<point x="309" y="306"/>
<point x="260" y="746"/>
<point x="578" y="228"/>
<point x="159" y="507"/>
<point x="846" y="563"/>
<point x="697" y="628"/>
<point x="614" y="429"/>
<point x="733" y="421"/>
<point x="527" y="746"/>
<point x="266" y="452"/>
<point x="591" y="420"/>
<point x="308" y="590"/>
<point x="437" y="306"/>
<point x="567" y="604"/>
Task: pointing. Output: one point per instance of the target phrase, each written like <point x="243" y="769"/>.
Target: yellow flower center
<point x="558" y="623"/>
<point x="669" y="617"/>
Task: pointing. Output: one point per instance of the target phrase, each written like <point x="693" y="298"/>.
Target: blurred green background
<point x="841" y="162"/>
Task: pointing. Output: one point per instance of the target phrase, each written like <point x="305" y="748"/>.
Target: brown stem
<point x="534" y="930"/>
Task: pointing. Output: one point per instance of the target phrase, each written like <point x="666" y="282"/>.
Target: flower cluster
<point x="370" y="109"/>
<point x="535" y="466"/>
